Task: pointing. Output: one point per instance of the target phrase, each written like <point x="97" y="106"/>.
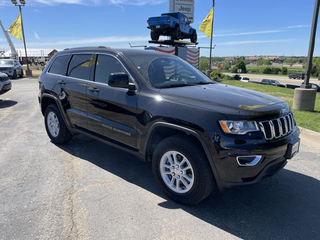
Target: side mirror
<point x="120" y="80"/>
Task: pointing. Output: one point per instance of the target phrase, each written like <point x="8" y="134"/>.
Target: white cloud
<point x="137" y="2"/>
<point x="98" y="2"/>
<point x="105" y="41"/>
<point x="299" y="26"/>
<point x="242" y="33"/>
<point x="36" y="35"/>
<point x="56" y="2"/>
<point x="248" y="33"/>
<point x="254" y="42"/>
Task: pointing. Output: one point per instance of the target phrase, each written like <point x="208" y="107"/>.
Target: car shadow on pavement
<point x="285" y="206"/>
<point x="7" y="103"/>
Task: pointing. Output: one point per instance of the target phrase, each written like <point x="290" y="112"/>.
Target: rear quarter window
<point x="59" y="65"/>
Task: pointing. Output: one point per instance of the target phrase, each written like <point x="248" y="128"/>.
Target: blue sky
<point x="241" y="27"/>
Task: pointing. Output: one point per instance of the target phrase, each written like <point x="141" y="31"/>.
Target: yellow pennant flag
<point x="15" y="28"/>
<point x="206" y="25"/>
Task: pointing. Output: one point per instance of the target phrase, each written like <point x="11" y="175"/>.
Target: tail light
<point x="168" y="19"/>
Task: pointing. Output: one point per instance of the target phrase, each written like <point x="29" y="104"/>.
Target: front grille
<point x="4" y="78"/>
<point x="279" y="127"/>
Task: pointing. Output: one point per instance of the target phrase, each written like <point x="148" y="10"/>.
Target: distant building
<point x="36" y="56"/>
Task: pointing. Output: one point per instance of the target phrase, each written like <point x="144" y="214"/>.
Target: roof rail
<point x="86" y="48"/>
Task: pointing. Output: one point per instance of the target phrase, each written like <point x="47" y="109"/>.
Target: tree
<point x="259" y="62"/>
<point x="240" y="64"/>
<point x="225" y="65"/>
<point x="203" y="64"/>
<point x="290" y="61"/>
<point x="263" y="62"/>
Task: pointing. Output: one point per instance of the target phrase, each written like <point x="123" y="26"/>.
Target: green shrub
<point x="267" y="70"/>
<point x="216" y="74"/>
<point x="284" y="70"/>
<point x="236" y="77"/>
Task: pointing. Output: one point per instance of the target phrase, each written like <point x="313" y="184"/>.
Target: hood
<point x="226" y="99"/>
<point x="6" y="66"/>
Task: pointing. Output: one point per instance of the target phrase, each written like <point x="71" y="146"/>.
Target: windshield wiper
<point x="203" y="83"/>
<point x="172" y="85"/>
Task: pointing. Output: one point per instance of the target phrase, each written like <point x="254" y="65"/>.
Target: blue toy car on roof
<point x="174" y="24"/>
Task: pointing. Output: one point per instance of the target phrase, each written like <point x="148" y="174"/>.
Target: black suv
<point x="297" y="75"/>
<point x="198" y="134"/>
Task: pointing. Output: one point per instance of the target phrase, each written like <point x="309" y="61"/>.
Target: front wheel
<point x="176" y="33"/>
<point x="182" y="170"/>
<point x="55" y="126"/>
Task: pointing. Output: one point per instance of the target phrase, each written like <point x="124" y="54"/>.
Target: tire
<point x="154" y="36"/>
<point x="55" y="126"/>
<point x="176" y="34"/>
<point x="14" y="75"/>
<point x="182" y="170"/>
<point x="194" y="37"/>
<point x="21" y="74"/>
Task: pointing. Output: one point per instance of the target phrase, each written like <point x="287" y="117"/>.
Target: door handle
<point x="61" y="82"/>
<point x="93" y="89"/>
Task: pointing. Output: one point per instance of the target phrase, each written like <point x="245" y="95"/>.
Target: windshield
<point x="6" y="62"/>
<point x="171" y="71"/>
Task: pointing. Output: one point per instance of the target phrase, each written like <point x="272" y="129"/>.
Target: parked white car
<point x="11" y="67"/>
<point x="244" y="79"/>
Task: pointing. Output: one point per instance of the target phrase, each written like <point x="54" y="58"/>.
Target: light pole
<point x="305" y="97"/>
<point x="22" y="3"/>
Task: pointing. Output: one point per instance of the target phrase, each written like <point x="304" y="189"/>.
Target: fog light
<point x="248" y="160"/>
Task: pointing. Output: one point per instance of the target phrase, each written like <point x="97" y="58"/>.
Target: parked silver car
<point x="11" y="67"/>
<point x="5" y="83"/>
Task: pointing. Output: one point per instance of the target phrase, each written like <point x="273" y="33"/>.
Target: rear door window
<point x="80" y="66"/>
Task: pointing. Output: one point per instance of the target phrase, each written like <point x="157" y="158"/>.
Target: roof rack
<point x="173" y="42"/>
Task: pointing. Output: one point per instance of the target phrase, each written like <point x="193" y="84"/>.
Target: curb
<point x="310" y="138"/>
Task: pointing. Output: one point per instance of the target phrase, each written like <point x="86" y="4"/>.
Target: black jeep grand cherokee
<point x="198" y="134"/>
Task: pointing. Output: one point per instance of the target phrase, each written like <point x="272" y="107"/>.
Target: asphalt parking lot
<point x="88" y="190"/>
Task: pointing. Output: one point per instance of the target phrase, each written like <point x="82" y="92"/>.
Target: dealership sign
<point x="184" y="6"/>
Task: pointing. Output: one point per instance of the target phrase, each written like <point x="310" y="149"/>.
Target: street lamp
<point x="22" y="3"/>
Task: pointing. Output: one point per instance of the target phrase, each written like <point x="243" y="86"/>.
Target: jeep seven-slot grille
<point x="279" y="127"/>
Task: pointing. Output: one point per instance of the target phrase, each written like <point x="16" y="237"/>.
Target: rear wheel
<point x="176" y="33"/>
<point x="55" y="126"/>
<point x="154" y="36"/>
<point x="21" y="74"/>
<point x="194" y="37"/>
<point x="14" y="75"/>
<point x="182" y="170"/>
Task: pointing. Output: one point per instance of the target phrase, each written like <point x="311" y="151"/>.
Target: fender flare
<point x="188" y="132"/>
<point x="59" y="105"/>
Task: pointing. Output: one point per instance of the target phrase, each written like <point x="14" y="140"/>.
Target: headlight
<point x="238" y="127"/>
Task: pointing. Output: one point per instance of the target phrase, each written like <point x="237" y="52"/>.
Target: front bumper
<point x="247" y="161"/>
<point x="5" y="86"/>
<point x="8" y="71"/>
